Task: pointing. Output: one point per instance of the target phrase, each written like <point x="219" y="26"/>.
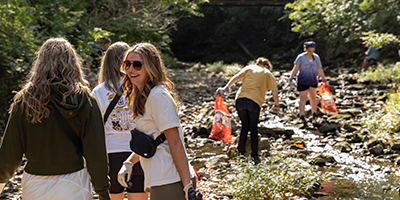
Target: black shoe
<point x="302" y="120"/>
<point x="256" y="160"/>
<point x="313" y="117"/>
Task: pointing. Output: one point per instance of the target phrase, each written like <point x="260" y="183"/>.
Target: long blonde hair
<point x="56" y="61"/>
<point x="157" y="75"/>
<point x="110" y="72"/>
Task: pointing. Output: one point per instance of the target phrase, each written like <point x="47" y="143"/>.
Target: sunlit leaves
<point x="343" y="20"/>
<point x="379" y="39"/>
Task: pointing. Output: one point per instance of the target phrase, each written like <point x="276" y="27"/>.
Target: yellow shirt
<point x="256" y="81"/>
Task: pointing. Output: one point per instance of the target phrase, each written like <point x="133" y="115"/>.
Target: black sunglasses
<point x="136" y="65"/>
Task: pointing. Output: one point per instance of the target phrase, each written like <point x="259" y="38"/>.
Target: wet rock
<point x="376" y="142"/>
<point x="340" y="116"/>
<point x="355" y="87"/>
<point x="275" y="132"/>
<point x="335" y="81"/>
<point x="329" y="127"/>
<point x="322" y="160"/>
<point x="358" y="104"/>
<point x="351" y="128"/>
<point x="376" y="150"/>
<point x="349" y="79"/>
<point x="264" y="144"/>
<point x="356" y="137"/>
<point x="396" y="146"/>
<point x="203" y="132"/>
<point x="343" y="147"/>
<point x="353" y="112"/>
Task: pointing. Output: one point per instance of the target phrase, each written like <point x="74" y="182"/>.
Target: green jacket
<point x="48" y="148"/>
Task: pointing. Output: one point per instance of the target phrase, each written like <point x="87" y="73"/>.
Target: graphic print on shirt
<point x="120" y="116"/>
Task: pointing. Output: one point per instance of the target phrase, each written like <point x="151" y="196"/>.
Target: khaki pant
<point x="173" y="191"/>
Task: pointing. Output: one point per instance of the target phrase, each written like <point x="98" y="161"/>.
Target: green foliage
<point x="343" y="22"/>
<point x="169" y="61"/>
<point x="389" y="73"/>
<point x="216" y="67"/>
<point x="271" y="179"/>
<point x="379" y="40"/>
<point x="25" y="25"/>
<point x="384" y="124"/>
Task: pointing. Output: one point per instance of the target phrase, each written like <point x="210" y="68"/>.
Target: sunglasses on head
<point x="136" y="65"/>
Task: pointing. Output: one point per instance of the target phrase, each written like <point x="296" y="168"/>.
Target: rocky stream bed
<point x="358" y="166"/>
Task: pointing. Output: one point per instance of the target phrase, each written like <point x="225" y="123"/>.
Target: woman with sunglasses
<point x="118" y="123"/>
<point x="307" y="67"/>
<point x="168" y="174"/>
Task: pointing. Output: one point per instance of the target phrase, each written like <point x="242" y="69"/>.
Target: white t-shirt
<point x="161" y="113"/>
<point x="119" y="122"/>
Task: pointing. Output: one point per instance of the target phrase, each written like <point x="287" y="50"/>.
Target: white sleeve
<point x="162" y="108"/>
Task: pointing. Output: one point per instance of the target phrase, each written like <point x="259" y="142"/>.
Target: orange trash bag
<point x="327" y="101"/>
<point x="221" y="128"/>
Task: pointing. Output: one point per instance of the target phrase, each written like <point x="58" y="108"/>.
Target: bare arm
<point x="321" y="74"/>
<point x="294" y="71"/>
<point x="178" y="154"/>
<point x="133" y="158"/>
<point x="234" y="79"/>
<point x="275" y="96"/>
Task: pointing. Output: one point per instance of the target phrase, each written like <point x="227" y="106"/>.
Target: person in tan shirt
<point x="256" y="80"/>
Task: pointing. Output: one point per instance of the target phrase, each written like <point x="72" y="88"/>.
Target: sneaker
<point x="313" y="117"/>
<point x="302" y="120"/>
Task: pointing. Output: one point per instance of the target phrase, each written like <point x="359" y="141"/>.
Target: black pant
<point x="249" y="112"/>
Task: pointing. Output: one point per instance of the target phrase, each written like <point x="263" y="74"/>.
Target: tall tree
<point x="26" y="24"/>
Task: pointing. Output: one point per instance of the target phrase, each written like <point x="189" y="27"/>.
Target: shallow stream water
<point x="353" y="176"/>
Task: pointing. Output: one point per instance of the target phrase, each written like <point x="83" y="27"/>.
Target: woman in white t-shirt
<point x="168" y="174"/>
<point x="118" y="124"/>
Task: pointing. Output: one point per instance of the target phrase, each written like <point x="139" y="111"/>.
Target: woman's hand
<point x="124" y="174"/>
<point x="221" y="91"/>
<point x="190" y="193"/>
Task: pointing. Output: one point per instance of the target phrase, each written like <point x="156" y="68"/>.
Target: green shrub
<point x="383" y="124"/>
<point x="271" y="179"/>
<point x="383" y="73"/>
<point x="169" y="61"/>
<point x="216" y="67"/>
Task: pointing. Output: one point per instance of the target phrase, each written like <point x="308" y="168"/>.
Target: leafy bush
<point x="388" y="73"/>
<point x="169" y="61"/>
<point x="271" y="179"/>
<point x="383" y="124"/>
<point x="216" y="67"/>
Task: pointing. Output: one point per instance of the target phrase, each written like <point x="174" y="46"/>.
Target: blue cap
<point x="309" y="44"/>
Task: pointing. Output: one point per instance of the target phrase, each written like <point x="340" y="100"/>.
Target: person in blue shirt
<point x="307" y="67"/>
<point x="371" y="56"/>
